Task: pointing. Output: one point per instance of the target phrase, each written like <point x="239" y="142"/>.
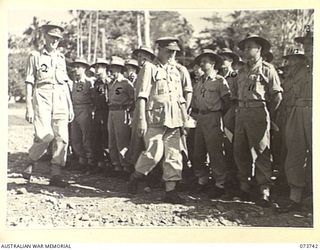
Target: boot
<point x="133" y="183"/>
<point x="27" y="172"/>
<point x="291" y="207"/>
<point x="173" y="198"/>
<point x="57" y="181"/>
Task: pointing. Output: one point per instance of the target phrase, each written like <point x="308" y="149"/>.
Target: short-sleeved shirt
<point x="121" y="93"/>
<point x="258" y="82"/>
<point x="161" y="86"/>
<point x="45" y="67"/>
<point x="185" y="78"/>
<point x="208" y="93"/>
<point x="82" y="92"/>
<point x="100" y="92"/>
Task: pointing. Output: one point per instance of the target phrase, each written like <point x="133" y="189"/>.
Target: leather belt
<point x="203" y="112"/>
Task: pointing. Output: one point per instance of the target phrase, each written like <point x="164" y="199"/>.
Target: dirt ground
<point x="99" y="201"/>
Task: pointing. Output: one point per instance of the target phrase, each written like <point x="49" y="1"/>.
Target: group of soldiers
<point x="225" y="122"/>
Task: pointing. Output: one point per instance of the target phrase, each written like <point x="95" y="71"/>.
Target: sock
<point x="170" y="185"/>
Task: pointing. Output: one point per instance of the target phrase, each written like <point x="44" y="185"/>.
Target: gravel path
<point x="97" y="201"/>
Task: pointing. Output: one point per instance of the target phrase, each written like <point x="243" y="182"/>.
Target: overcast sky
<point x="19" y="20"/>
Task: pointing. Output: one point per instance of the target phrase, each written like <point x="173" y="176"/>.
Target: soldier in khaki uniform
<point x="144" y="55"/>
<point x="210" y="98"/>
<point x="81" y="127"/>
<point x="160" y="101"/>
<point x="299" y="128"/>
<point x="258" y="88"/>
<point x="49" y="105"/>
<point x="101" y="111"/>
<point x="121" y="101"/>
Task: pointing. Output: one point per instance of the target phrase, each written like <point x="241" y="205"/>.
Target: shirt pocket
<point x="44" y="69"/>
<point x="155" y="113"/>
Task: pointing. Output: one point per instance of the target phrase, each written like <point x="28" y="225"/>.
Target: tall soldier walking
<point x="49" y="105"/>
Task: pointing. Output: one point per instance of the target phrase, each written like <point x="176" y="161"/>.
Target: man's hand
<point x="71" y="115"/>
<point x="29" y="115"/>
<point x="142" y="127"/>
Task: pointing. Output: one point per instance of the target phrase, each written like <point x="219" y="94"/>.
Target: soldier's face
<point x="197" y="70"/>
<point x="227" y="61"/>
<point x="206" y="63"/>
<point x="100" y="70"/>
<point x="251" y="49"/>
<point x="142" y="58"/>
<point x="166" y="54"/>
<point x="116" y="70"/>
<point x="51" y="41"/>
<point x="131" y="70"/>
<point x="79" y="70"/>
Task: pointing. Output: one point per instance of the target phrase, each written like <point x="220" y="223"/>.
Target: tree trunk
<point x="89" y="37"/>
<point x="81" y="38"/>
<point x="139" y="30"/>
<point x="103" y="41"/>
<point x="147" y="28"/>
<point x="78" y="35"/>
<point x="96" y="37"/>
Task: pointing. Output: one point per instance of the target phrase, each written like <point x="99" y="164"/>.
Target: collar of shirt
<point x="254" y="66"/>
<point x="211" y="76"/>
<point x="81" y="79"/>
<point x="46" y="52"/>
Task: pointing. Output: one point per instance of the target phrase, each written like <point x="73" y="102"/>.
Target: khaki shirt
<point x="82" y="91"/>
<point x="121" y="93"/>
<point x="162" y="88"/>
<point x="258" y="82"/>
<point x="209" y="91"/>
<point x="45" y="67"/>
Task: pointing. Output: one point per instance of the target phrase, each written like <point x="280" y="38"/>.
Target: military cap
<point x="212" y="54"/>
<point x="52" y="29"/>
<point x="301" y="39"/>
<point x="228" y="52"/>
<point x="295" y="53"/>
<point x="170" y="43"/>
<point x="132" y="62"/>
<point x="80" y="60"/>
<point x="268" y="56"/>
<point x="101" y="61"/>
<point x="144" y="49"/>
<point x="117" y="61"/>
<point x="257" y="39"/>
